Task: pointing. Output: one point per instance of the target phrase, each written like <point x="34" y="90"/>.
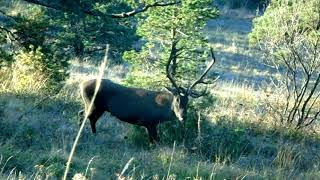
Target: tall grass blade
<point x="98" y="83"/>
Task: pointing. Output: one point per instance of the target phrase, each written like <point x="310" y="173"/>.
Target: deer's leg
<point x="81" y="116"/>
<point x="153" y="135"/>
<point x="93" y="117"/>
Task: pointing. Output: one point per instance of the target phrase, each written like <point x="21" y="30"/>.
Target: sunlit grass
<point x="239" y="109"/>
<point x="237" y="117"/>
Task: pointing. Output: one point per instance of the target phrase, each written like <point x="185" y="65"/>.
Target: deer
<point x="139" y="106"/>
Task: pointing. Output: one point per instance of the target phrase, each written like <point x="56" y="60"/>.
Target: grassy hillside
<point x="236" y="136"/>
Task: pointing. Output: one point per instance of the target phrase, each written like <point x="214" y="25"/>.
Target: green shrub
<point x="33" y="71"/>
<point x="288" y="34"/>
<point x="29" y="71"/>
<point x="5" y="58"/>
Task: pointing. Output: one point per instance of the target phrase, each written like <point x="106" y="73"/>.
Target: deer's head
<point x="181" y="94"/>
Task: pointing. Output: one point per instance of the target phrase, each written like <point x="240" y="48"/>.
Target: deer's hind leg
<point x="93" y="117"/>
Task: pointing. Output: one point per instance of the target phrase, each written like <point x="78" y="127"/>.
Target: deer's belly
<point x="137" y="119"/>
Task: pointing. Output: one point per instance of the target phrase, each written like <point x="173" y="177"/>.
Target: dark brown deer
<point x="140" y="106"/>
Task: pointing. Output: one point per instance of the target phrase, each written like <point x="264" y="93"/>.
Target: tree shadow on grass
<point x="45" y="136"/>
<point x="254" y="145"/>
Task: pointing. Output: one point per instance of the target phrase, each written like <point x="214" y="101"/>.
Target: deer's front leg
<point x="153" y="135"/>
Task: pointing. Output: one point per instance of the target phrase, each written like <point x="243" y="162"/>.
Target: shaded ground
<point x="39" y="144"/>
<point x="237" y="62"/>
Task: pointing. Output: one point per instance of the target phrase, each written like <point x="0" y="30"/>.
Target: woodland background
<point x="260" y="119"/>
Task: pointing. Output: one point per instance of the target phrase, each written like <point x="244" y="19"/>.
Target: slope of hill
<point x="236" y="137"/>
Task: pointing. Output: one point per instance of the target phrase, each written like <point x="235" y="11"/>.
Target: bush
<point x="34" y="72"/>
<point x="289" y="34"/>
<point x="29" y="71"/>
<point x="5" y="58"/>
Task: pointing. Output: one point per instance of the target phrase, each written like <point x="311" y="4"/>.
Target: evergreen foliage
<point x="182" y="23"/>
<point x="62" y="35"/>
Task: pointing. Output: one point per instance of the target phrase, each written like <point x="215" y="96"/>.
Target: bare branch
<point x="11" y="35"/>
<point x="298" y="57"/>
<point x="142" y="9"/>
<point x="312" y="105"/>
<point x="304" y="106"/>
<point x="6" y="15"/>
<point x="313" y="119"/>
<point x="288" y="96"/>
<point x="60" y="6"/>
<point x="315" y="65"/>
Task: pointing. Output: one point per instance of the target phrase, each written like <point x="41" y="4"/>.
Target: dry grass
<point x="236" y="116"/>
<point x="238" y="140"/>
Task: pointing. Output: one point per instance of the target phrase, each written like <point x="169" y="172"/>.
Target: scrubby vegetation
<point x="289" y="35"/>
<point x="244" y="128"/>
